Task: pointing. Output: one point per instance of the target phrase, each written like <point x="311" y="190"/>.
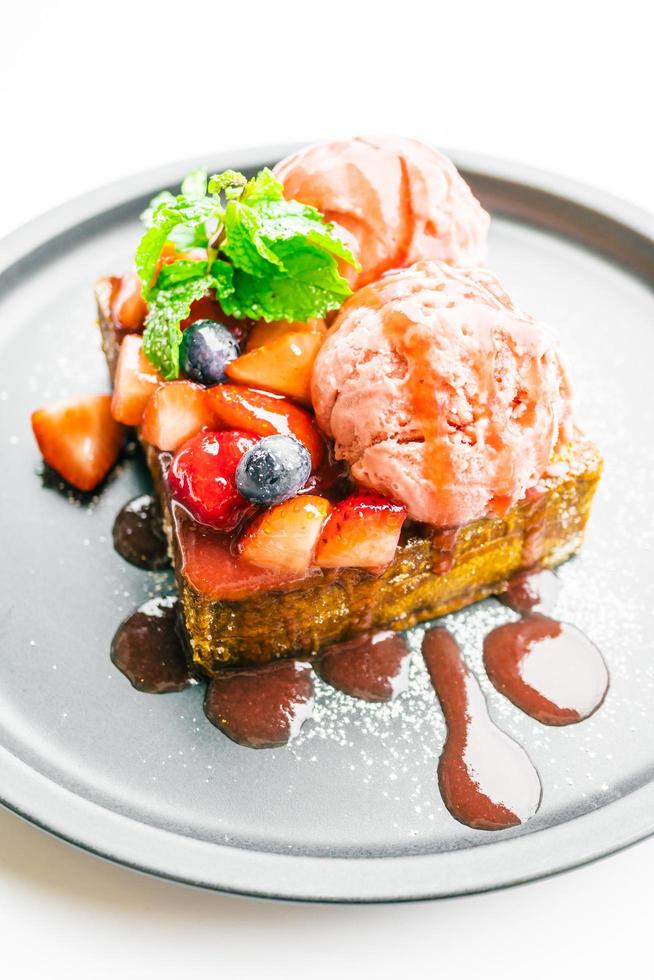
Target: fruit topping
<point x="273" y="470"/>
<point x="135" y="380"/>
<point x="207" y="348"/>
<point x="284" y="538"/>
<point x="283" y="365"/>
<point x="263" y="333"/>
<point x="79" y="438"/>
<point x="265" y="414"/>
<point x="174" y="413"/>
<point x="265" y="258"/>
<point x="361" y="532"/>
<point x="201" y="477"/>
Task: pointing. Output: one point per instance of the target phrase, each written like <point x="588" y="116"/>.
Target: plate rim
<point x="106" y="833"/>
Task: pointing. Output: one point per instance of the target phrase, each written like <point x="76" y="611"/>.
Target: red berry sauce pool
<point x="138" y="534"/>
<point x="263" y="707"/>
<point x="148" y="650"/>
<point x="487" y="780"/>
<point x="535" y="590"/>
<point x="373" y="667"/>
<point x="549" y="670"/>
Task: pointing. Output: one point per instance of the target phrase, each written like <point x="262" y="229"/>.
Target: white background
<point x="92" y="92"/>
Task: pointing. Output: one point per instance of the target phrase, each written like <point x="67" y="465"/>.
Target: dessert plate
<point x="350" y="810"/>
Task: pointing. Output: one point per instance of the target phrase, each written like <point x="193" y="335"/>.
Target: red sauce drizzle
<point x="443" y="549"/>
<point x="487" y="780"/>
<point x="532" y="591"/>
<point x="148" y="650"/>
<point x="373" y="667"/>
<point x="262" y="707"/>
<point x="138" y="533"/>
<point x="549" y="670"/>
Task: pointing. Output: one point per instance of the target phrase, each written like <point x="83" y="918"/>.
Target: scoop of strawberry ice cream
<point x="397" y="200"/>
<point x="441" y="394"/>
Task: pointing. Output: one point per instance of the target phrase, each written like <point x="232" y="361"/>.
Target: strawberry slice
<point x="263" y="333"/>
<point x="362" y="531"/>
<point x="135" y="380"/>
<point x="79" y="438"/>
<point x="284" y="538"/>
<point x="265" y="414"/>
<point x="129" y="308"/>
<point x="201" y="477"/>
<point x="284" y="365"/>
<point x="175" y="412"/>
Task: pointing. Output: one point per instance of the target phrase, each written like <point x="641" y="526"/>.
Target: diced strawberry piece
<point x="205" y="308"/>
<point x="361" y="532"/>
<point x="263" y="333"/>
<point x="284" y="365"/>
<point x="129" y="308"/>
<point x="135" y="380"/>
<point x="79" y="438"/>
<point x="284" y="537"/>
<point x="174" y="413"/>
<point x="265" y="414"/>
<point x="202" y="477"/>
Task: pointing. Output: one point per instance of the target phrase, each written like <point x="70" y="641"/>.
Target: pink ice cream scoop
<point x="397" y="200"/>
<point x="441" y="394"/>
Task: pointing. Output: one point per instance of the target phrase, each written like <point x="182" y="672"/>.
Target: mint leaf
<point x="263" y="187"/>
<point x="183" y="236"/>
<point x="192" y="215"/>
<point x="180" y="271"/>
<point x="284" y="220"/>
<point x="166" y="310"/>
<point x="160" y="198"/>
<point x="229" y="181"/>
<point x="194" y="185"/>
<point x="244" y="243"/>
<point x="277" y="298"/>
<point x="222" y="277"/>
<point x="314" y="266"/>
<point x="149" y="250"/>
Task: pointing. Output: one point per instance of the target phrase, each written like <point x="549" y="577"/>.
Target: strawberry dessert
<point x="320" y="482"/>
<point x="351" y="429"/>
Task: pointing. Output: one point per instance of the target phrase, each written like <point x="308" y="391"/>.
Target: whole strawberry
<point x="201" y="477"/>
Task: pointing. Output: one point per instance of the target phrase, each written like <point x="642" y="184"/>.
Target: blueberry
<point x="273" y="470"/>
<point x="206" y="350"/>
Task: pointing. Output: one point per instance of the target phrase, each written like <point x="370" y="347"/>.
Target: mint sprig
<point x="267" y="258"/>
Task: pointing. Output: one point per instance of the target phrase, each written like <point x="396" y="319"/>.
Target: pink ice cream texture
<point x="441" y="394"/>
<point x="395" y="200"/>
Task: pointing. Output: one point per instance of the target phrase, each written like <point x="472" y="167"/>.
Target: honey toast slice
<point x="235" y="614"/>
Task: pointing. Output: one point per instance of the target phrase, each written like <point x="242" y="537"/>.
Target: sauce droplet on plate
<point x="373" y="667"/>
<point x="532" y="591"/>
<point x="147" y="648"/>
<point x="138" y="533"/>
<point x="262" y="707"/>
<point x="487" y="780"/>
<point x="549" y="670"/>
